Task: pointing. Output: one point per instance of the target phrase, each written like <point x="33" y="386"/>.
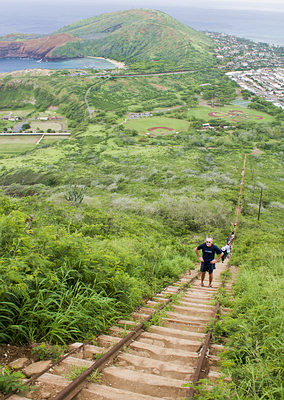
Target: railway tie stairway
<point x="157" y="362"/>
<point x="155" y="365"/>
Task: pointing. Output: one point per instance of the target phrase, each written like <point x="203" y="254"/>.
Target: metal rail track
<point x="201" y="361"/>
<point x="206" y="345"/>
<point x="70" y="391"/>
<point x="75" y="386"/>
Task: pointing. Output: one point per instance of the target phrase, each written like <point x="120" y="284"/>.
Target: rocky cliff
<point x="34" y="48"/>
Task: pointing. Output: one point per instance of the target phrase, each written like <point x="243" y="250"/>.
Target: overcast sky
<point x="244" y="18"/>
<point x="238" y="4"/>
<point x="214" y="4"/>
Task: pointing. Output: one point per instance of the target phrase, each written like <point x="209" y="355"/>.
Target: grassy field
<point x="17" y="144"/>
<point x="18" y="140"/>
<point x="15" y="148"/>
<point x="45" y="125"/>
<point x="142" y="125"/>
<point x="19" y="113"/>
<point x="239" y="114"/>
<point x="43" y="156"/>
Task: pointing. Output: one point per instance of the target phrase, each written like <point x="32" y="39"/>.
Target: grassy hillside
<point x="138" y="35"/>
<point x="118" y="95"/>
<point x="147" y="201"/>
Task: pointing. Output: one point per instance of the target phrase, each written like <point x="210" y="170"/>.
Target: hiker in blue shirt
<point x="208" y="258"/>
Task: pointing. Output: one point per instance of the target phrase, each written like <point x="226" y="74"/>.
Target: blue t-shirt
<point x="208" y="252"/>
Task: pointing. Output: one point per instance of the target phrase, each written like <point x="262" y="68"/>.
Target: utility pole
<point x="259" y="204"/>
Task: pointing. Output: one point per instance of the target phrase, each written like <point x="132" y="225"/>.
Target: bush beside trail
<point x="67" y="281"/>
<point x="253" y="331"/>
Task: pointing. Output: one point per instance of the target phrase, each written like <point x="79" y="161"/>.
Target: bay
<point x="16" y="64"/>
<point x="46" y="17"/>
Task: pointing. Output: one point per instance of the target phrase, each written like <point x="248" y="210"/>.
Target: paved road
<point x="106" y="77"/>
<point x="90" y="110"/>
<point x="145" y="74"/>
<point x="18" y="127"/>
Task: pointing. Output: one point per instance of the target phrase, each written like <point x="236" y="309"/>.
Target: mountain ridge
<point x="137" y="35"/>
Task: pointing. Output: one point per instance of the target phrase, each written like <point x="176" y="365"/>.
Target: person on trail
<point x="226" y="250"/>
<point x="208" y="258"/>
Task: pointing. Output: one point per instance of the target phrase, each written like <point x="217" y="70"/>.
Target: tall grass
<point x="254" y="333"/>
<point x="58" y="313"/>
<point x="58" y="284"/>
<point x="254" y="356"/>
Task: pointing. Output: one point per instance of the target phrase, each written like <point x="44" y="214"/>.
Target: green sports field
<point x="161" y="125"/>
<point x="231" y="113"/>
<point x="45" y="125"/>
<point x="10" y="145"/>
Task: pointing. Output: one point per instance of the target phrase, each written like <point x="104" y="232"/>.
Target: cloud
<point x="224" y="4"/>
<point x="261" y="5"/>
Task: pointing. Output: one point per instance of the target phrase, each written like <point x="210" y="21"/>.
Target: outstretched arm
<point x="198" y="256"/>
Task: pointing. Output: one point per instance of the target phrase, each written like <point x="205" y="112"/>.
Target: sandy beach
<point x="118" y="64"/>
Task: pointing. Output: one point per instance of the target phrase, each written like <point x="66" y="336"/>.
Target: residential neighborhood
<point x="256" y="67"/>
<point x="264" y="82"/>
<point x="234" y="53"/>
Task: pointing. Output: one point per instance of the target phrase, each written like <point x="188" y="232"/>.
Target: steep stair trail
<point x="140" y="359"/>
<point x="155" y="365"/>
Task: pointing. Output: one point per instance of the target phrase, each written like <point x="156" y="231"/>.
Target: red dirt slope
<point x="34" y="48"/>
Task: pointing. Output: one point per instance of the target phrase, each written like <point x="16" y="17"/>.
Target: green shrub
<point x="75" y="194"/>
<point x="11" y="380"/>
<point x="45" y="351"/>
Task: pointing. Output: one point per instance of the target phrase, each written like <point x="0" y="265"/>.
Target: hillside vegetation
<point x="138" y="35"/>
<point x="144" y="39"/>
<point x="92" y="225"/>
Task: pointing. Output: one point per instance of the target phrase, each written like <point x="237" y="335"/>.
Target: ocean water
<point x="256" y="25"/>
<point x="28" y="16"/>
<point x="16" y="64"/>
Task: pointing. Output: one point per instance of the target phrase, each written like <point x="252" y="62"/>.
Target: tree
<point x="26" y="126"/>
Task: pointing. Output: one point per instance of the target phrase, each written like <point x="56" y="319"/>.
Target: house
<point x="206" y="126"/>
<point x="140" y="115"/>
<point x="10" y="117"/>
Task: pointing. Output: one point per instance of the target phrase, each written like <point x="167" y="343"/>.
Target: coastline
<point x="10" y="65"/>
<point x="118" y="64"/>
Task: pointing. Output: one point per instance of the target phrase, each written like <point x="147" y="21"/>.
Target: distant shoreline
<point x="10" y="65"/>
<point x="118" y="64"/>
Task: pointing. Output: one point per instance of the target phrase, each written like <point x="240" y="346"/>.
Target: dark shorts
<point x="207" y="267"/>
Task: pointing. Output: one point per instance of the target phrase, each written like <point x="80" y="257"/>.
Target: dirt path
<point x="238" y="208"/>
